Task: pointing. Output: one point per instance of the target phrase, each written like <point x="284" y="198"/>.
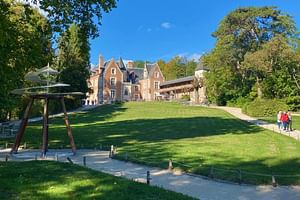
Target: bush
<point x="239" y="102"/>
<point x="264" y="107"/>
<point x="186" y="97"/>
<point x="293" y="103"/>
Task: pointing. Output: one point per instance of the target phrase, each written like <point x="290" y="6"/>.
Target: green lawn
<point x="54" y="180"/>
<point x="196" y="138"/>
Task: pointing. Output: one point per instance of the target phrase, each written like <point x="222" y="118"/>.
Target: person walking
<point x="290" y="121"/>
<point x="279" y="119"/>
<point x="284" y="118"/>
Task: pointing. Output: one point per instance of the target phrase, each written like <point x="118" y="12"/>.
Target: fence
<point x="232" y="175"/>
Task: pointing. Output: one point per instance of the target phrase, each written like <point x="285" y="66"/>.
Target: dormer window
<point x="113" y="71"/>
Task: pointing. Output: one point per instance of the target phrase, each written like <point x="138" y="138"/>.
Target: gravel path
<point x="237" y="112"/>
<point x="194" y="186"/>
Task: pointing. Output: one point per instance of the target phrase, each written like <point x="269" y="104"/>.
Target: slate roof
<point x="150" y="68"/>
<point x="179" y="80"/>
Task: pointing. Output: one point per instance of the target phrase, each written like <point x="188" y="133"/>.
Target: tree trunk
<point x="197" y="95"/>
<point x="259" y="92"/>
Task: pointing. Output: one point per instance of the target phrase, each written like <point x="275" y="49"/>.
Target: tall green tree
<point x="24" y="45"/>
<point x="244" y="30"/>
<point x="73" y="62"/>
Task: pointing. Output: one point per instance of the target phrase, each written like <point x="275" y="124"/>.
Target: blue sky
<point x="161" y="29"/>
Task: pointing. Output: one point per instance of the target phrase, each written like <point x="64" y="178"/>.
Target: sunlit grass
<point x="53" y="180"/>
<point x="195" y="138"/>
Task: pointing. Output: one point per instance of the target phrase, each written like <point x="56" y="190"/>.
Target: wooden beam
<point x="22" y="127"/>
<point x="45" y="127"/>
<point x="69" y="132"/>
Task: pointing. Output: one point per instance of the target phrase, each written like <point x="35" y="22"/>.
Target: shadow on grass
<point x="53" y="180"/>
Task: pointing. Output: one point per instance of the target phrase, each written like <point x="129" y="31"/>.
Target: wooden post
<point x="274" y="181"/>
<point x="45" y="127"/>
<point x="69" y="159"/>
<point x="148" y="177"/>
<point x="6" y="158"/>
<point x="69" y="132"/>
<point x="84" y="161"/>
<point x="22" y="127"/>
<point x="170" y="164"/>
<point x="240" y="176"/>
<point x="112" y="151"/>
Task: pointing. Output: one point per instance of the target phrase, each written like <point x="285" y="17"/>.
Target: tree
<point x="73" y="62"/>
<point x="24" y="45"/>
<point x="244" y="30"/>
<point x="86" y="14"/>
<point x="274" y="56"/>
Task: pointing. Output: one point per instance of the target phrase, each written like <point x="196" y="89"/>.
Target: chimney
<point x="100" y="62"/>
<point x="129" y="65"/>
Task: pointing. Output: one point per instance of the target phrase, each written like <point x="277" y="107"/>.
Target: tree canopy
<point x="87" y="14"/>
<point x="24" y="45"/>
<point x="249" y="42"/>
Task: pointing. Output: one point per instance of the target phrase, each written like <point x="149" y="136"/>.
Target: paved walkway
<point x="194" y="186"/>
<point x="237" y="112"/>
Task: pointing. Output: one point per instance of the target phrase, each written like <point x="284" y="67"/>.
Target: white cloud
<point x="194" y="56"/>
<point x="191" y="56"/>
<point x="166" y="25"/>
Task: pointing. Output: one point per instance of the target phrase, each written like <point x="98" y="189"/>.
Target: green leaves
<point x="252" y="43"/>
<point x="62" y="14"/>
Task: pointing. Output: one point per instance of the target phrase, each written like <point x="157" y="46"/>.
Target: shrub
<point x="264" y="107"/>
<point x="186" y="97"/>
<point x="293" y="103"/>
<point x="239" y="102"/>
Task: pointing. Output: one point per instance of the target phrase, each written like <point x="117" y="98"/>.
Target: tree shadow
<point x="56" y="180"/>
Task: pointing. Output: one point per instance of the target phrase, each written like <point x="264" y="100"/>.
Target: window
<point x="136" y="88"/>
<point x="126" y="91"/>
<point x="112" y="94"/>
<point x="156" y="74"/>
<point x="113" y="71"/>
<point x="112" y="81"/>
<point x="156" y="85"/>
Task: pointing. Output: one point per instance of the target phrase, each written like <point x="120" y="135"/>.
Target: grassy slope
<point x="198" y="137"/>
<point x="53" y="180"/>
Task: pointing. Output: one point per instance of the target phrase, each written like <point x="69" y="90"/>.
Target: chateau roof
<point x="179" y="80"/>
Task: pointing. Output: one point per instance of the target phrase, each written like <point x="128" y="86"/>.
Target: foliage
<point x="177" y="67"/>
<point x="264" y="107"/>
<point x="139" y="63"/>
<point x="24" y="45"/>
<point x="293" y="103"/>
<point x="239" y="102"/>
<point x="53" y="180"/>
<point x="73" y="62"/>
<point x="87" y="14"/>
<point x="252" y="43"/>
<point x="197" y="137"/>
<point x="186" y="97"/>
